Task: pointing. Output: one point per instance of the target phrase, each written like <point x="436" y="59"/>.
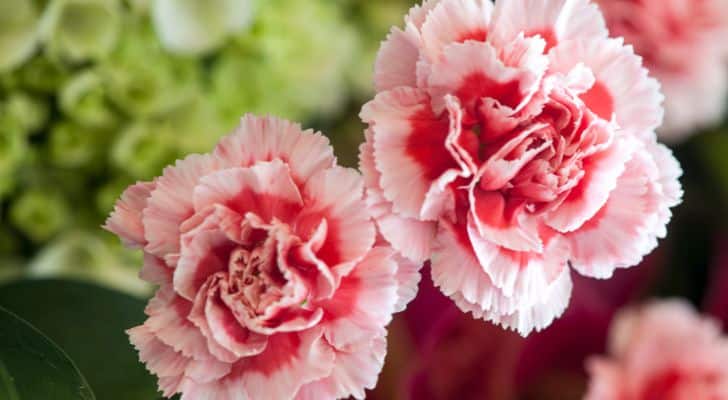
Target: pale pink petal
<point x="408" y="236"/>
<point x="259" y="139"/>
<point x="155" y="271"/>
<point x="206" y="253"/>
<point x="408" y="277"/>
<point x="455" y="21"/>
<point x="408" y="146"/>
<point x="473" y="70"/>
<point x="419" y="12"/>
<point x="521" y="275"/>
<point x="527" y="318"/>
<point x="554" y="20"/>
<point x="627" y="227"/>
<point x="602" y="171"/>
<point x="364" y="302"/>
<point x="171" y="203"/>
<point x="168" y="322"/>
<point x="265" y="189"/>
<point x="337" y="195"/>
<point x="126" y="219"/>
<point x="355" y="370"/>
<point x="198" y="317"/>
<point x="622" y="89"/>
<point x="228" y="332"/>
<point x="290" y="362"/>
<point x="503" y="221"/>
<point x="396" y="61"/>
<point x="170" y="366"/>
<point x="540" y="314"/>
<point x="457" y="272"/>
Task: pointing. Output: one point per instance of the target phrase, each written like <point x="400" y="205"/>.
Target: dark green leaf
<point x="33" y="367"/>
<point x="89" y="323"/>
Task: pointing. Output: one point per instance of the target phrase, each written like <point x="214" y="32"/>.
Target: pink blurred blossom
<point x="271" y="284"/>
<point x="459" y="357"/>
<point x="683" y="45"/>
<point x="664" y="350"/>
<point x="508" y="142"/>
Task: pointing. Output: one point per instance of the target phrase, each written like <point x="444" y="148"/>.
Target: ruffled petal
<point x="396" y="62"/>
<point x="408" y="277"/>
<point x="622" y="90"/>
<point x="628" y="226"/>
<point x="260" y="139"/>
<point x="536" y="316"/>
<point x="409" y="149"/>
<point x="524" y="276"/>
<point x="364" y="302"/>
<point x="265" y="189"/>
<point x="126" y="219"/>
<point x="155" y="271"/>
<point x="473" y="70"/>
<point x="601" y="173"/>
<point x="455" y="21"/>
<point x="554" y="20"/>
<point x="458" y="274"/>
<point x="170" y="203"/>
<point x="290" y="362"/>
<point x="410" y="237"/>
<point x="355" y="371"/>
<point x="503" y="221"/>
<point x="337" y="196"/>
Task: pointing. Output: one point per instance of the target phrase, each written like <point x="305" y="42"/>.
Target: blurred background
<point x="98" y="94"/>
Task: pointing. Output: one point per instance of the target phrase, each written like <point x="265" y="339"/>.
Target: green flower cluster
<point x="98" y="94"/>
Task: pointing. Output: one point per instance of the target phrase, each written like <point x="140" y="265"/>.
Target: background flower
<point x="681" y="46"/>
<point x="661" y="350"/>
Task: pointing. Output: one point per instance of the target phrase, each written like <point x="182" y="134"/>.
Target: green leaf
<point x="88" y="322"/>
<point x="33" y="367"/>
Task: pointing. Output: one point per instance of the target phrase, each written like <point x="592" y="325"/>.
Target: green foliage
<point x="33" y="367"/>
<point x="88" y="323"/>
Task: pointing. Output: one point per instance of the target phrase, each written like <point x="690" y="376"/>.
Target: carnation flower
<point x="682" y="44"/>
<point x="664" y="350"/>
<point x="508" y="142"/>
<point x="271" y="284"/>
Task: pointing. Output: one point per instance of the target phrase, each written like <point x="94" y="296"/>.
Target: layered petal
<point x="264" y="139"/>
<point x="628" y="225"/>
<point x="409" y="236"/>
<point x="265" y="189"/>
<point x="408" y="146"/>
<point x="126" y="219"/>
<point x="364" y="302"/>
<point x="455" y="21"/>
<point x="170" y="203"/>
<point x="622" y="89"/>
<point x="554" y="20"/>
<point x="354" y="371"/>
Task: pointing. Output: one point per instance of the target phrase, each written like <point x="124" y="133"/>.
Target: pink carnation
<point x="683" y="45"/>
<point x="663" y="351"/>
<point x="271" y="285"/>
<point x="509" y="141"/>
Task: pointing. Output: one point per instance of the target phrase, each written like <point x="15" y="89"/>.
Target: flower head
<point x="680" y="41"/>
<point x="509" y="141"/>
<point x="271" y="285"/>
<point x="664" y="350"/>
